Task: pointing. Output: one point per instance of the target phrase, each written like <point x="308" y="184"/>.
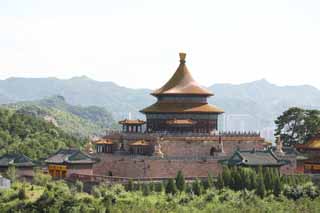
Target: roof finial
<point x="182" y="57"/>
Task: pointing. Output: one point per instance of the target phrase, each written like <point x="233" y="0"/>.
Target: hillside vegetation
<point x="75" y="120"/>
<point x="34" y="137"/>
<point x="44" y="195"/>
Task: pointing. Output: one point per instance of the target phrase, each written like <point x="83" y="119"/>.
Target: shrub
<point x="277" y="186"/>
<point x="41" y="179"/>
<point x="22" y="194"/>
<point x="11" y="173"/>
<point x="180" y="181"/>
<point x="210" y="181"/>
<point x="219" y="182"/>
<point x="79" y="186"/>
<point x="95" y="192"/>
<point x="197" y="187"/>
<point x="261" y="189"/>
<point x="146" y="189"/>
<point x="130" y="185"/>
<point x="171" y="187"/>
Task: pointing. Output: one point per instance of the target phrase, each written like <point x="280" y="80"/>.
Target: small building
<point x="254" y="158"/>
<point x="69" y="161"/>
<point x="140" y="147"/>
<point x="4" y="183"/>
<point x="24" y="165"/>
<point x="309" y="161"/>
<point x="134" y="126"/>
<point x="104" y="146"/>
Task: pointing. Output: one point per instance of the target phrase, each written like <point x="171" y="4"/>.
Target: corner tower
<point x="182" y="105"/>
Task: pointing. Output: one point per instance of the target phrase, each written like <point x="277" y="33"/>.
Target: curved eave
<point x="159" y="107"/>
<point x="175" y="93"/>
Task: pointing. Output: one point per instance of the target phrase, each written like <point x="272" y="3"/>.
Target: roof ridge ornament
<point x="182" y="57"/>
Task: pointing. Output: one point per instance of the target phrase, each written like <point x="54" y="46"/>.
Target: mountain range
<point x="249" y="106"/>
<point x="78" y="121"/>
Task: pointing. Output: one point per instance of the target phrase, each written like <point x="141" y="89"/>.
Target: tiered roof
<point x="182" y="84"/>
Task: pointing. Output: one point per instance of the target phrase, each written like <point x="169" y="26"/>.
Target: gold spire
<point x="182" y="57"/>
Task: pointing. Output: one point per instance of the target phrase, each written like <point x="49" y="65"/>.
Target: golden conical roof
<point x="182" y="83"/>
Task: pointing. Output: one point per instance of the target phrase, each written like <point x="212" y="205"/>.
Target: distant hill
<point x="262" y="100"/>
<point x="20" y="133"/>
<point x="249" y="106"/>
<point x="77" y="91"/>
<point x="75" y="120"/>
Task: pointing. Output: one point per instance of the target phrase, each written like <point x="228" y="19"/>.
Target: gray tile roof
<point x="254" y="158"/>
<point x="69" y="156"/>
<point x="18" y="160"/>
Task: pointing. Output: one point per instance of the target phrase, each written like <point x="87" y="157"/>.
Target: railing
<point x="186" y="134"/>
<point x="116" y="179"/>
<point x="150" y="157"/>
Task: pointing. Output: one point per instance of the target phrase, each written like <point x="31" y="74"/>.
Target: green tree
<point x="130" y="186"/>
<point x="41" y="179"/>
<point x="22" y="194"/>
<point x="79" y="186"/>
<point x="96" y="192"/>
<point x="227" y="177"/>
<point x="261" y="189"/>
<point x="161" y="187"/>
<point x="146" y="189"/>
<point x="220" y="183"/>
<point x="171" y="187"/>
<point x="197" y="187"/>
<point x="11" y="173"/>
<point x="253" y="180"/>
<point x="180" y="182"/>
<point x="277" y="187"/>
<point x="297" y="125"/>
<point x="152" y="187"/>
<point x="210" y="181"/>
<point x="107" y="203"/>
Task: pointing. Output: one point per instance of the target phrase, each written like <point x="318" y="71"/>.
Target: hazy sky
<point x="135" y="43"/>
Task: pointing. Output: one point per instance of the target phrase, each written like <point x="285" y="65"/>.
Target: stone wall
<point x="84" y="169"/>
<point x="127" y="166"/>
<point x="173" y="147"/>
<point x="20" y="171"/>
<point x="290" y="168"/>
<point x="192" y="155"/>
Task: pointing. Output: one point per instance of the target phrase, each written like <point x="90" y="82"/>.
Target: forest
<point x="253" y="193"/>
<point x="34" y="137"/>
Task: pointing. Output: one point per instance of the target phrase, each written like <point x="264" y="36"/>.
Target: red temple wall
<point x="130" y="167"/>
<point x="183" y="148"/>
<point x="80" y="169"/>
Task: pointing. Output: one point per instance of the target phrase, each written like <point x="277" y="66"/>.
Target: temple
<point x="182" y="105"/>
<point x="180" y="133"/>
